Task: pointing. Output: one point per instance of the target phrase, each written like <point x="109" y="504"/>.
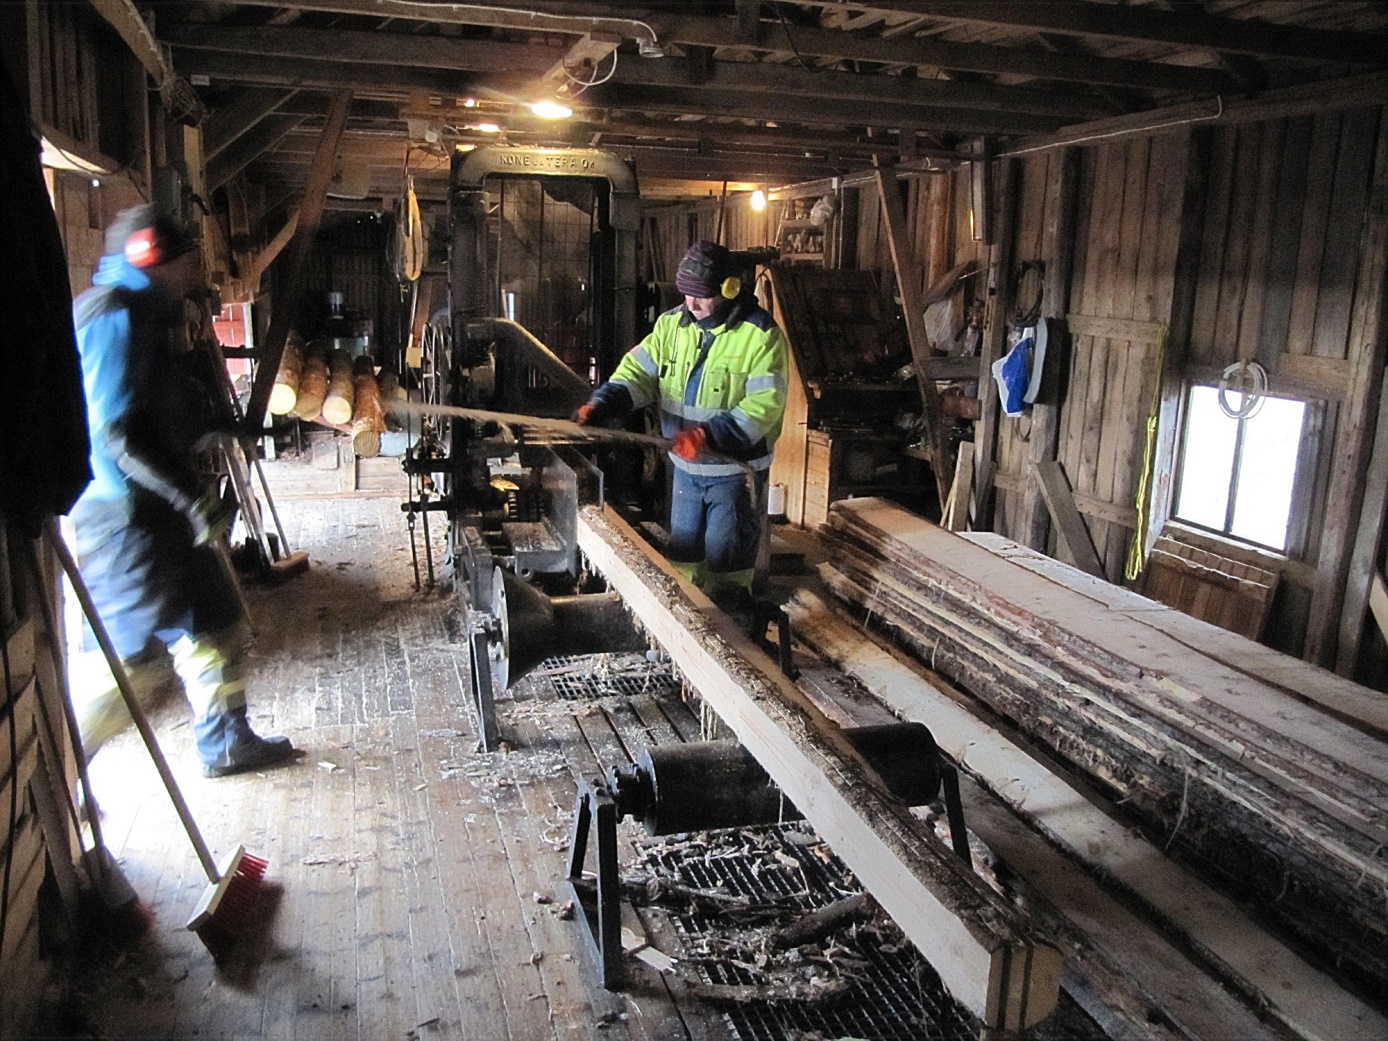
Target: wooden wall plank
<point x="1233" y="285"/>
<point x="1254" y="293"/>
<point x="1285" y="224"/>
<point x="1319" y="180"/>
<point x="1201" y="347"/>
<point x="1344" y="224"/>
<point x="1367" y="351"/>
<point x="1130" y="242"/>
<point x="1072" y="434"/>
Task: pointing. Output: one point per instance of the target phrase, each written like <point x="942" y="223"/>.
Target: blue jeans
<point x="714" y="519"/>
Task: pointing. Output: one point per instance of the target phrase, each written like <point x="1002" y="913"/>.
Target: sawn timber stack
<point x="1274" y="796"/>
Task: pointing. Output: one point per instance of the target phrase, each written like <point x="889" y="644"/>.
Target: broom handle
<point x="136" y="712"/>
<point x="50" y="623"/>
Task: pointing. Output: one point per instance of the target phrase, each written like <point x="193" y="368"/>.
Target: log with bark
<point x="1275" y="797"/>
<point x="313" y="384"/>
<point x="368" y="419"/>
<point x="285" y="393"/>
<point x="391" y="390"/>
<point x="337" y="406"/>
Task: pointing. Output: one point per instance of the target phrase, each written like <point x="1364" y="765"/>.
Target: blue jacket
<point x="138" y="406"/>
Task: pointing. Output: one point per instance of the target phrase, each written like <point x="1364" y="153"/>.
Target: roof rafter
<point x="710" y="31"/>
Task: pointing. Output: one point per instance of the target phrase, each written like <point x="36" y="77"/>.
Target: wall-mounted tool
<point x="720" y="784"/>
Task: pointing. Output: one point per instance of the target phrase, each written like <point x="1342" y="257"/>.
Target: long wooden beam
<point x="707" y="31"/>
<point x="1264" y="790"/>
<point x="1307" y="99"/>
<point x="1149" y="25"/>
<point x="908" y="284"/>
<point x="973" y="938"/>
<point x="230" y="121"/>
<point x="296" y="262"/>
<point x="813" y="111"/>
<point x="1363" y="569"/>
<point x="250" y="146"/>
<point x="1367" y="352"/>
<point x="764" y="77"/>
<point x="1272" y="975"/>
<point x="408" y="54"/>
<point x="327" y="75"/>
<point x="371" y="48"/>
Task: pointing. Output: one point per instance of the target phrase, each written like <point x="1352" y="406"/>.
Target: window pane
<point x="1207" y="464"/>
<point x="1267" y="467"/>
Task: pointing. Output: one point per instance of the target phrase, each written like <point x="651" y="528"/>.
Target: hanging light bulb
<point x="758" y="200"/>
<point x="548" y="109"/>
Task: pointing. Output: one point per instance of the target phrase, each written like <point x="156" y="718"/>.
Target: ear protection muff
<point x="730" y="288"/>
<point x="142" y="249"/>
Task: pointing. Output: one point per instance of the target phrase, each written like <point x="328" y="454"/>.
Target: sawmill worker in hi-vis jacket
<point x="716" y="367"/>
<point x="146" y="522"/>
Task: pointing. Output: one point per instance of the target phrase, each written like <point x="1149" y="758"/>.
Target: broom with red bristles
<point x="228" y="905"/>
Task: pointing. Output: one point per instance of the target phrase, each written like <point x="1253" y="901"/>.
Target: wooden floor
<point x="417" y="881"/>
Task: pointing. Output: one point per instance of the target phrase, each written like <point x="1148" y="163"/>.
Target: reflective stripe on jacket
<point x="731" y="377"/>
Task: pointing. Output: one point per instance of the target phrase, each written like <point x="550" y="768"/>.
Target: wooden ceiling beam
<point x="782" y="108"/>
<point x="1306" y="99"/>
<point x="369" y="48"/>
<point x="759" y="77"/>
<point x="261" y="138"/>
<point x="397" y="82"/>
<point x="401" y="81"/>
<point x="388" y="155"/>
<point x="225" y="124"/>
<point x="399" y="49"/>
<point x="709" y="31"/>
<point x="1148" y="25"/>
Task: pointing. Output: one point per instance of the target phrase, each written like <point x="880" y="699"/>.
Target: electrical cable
<point x="585" y="84"/>
<point x="1137" y="561"/>
<point x="533" y="17"/>
<point x="1253" y="396"/>
<point x="785" y="27"/>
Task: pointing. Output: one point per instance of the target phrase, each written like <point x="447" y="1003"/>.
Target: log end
<point x="283" y="398"/>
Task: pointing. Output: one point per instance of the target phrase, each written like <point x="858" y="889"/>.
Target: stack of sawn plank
<point x="1272" y="795"/>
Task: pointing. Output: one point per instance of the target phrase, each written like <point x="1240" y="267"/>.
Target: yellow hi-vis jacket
<point x="730" y="377"/>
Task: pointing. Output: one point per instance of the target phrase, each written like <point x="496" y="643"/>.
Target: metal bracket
<point x="483" y="694"/>
<point x="598" y="902"/>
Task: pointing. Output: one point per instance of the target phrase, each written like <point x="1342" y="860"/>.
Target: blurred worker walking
<point x="146" y="523"/>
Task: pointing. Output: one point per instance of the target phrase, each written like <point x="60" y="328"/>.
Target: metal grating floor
<point x="894" y="994"/>
<point x="607" y="675"/>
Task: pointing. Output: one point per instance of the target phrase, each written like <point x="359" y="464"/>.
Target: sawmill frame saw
<point x="496" y="454"/>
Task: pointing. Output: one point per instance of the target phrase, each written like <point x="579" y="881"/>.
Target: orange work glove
<point x="689" y="444"/>
<point x="584" y="415"/>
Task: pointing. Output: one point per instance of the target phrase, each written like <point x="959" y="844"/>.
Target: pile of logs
<point x="318" y="384"/>
<point x="1275" y="796"/>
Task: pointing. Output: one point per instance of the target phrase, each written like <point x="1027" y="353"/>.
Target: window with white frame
<point x="1239" y="465"/>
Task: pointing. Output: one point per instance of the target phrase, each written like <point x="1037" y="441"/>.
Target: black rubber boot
<point x="228" y="745"/>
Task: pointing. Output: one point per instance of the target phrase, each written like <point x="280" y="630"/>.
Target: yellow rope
<point x="1136" y="550"/>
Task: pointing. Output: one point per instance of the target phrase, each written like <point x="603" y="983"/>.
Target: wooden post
<point x="908" y="281"/>
<point x="1060" y="501"/>
<point x="1059" y="251"/>
<point x="986" y="429"/>
<point x="1187" y="271"/>
<point x="1364" y="558"/>
<point x="292" y="284"/>
<point x="1367" y="350"/>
